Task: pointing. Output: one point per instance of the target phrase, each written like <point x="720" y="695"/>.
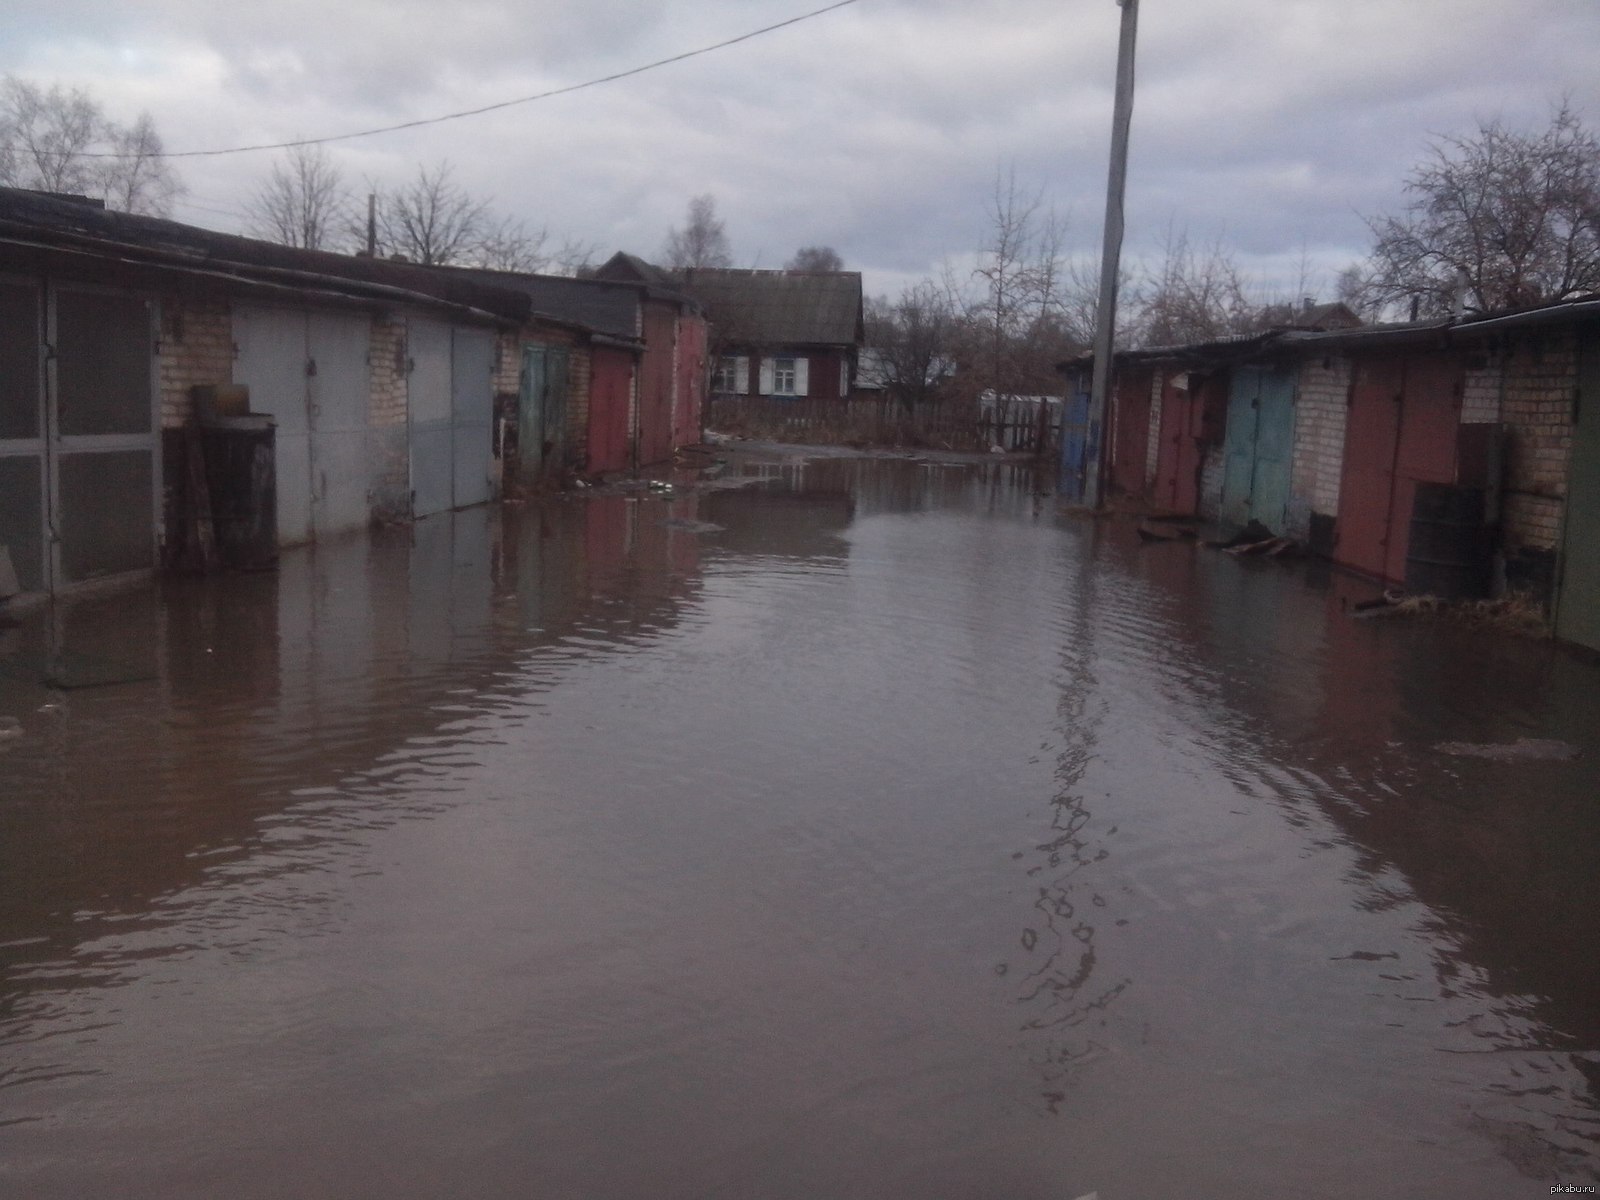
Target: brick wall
<point x="196" y="347"/>
<point x="1541" y="379"/>
<point x="508" y="363"/>
<point x="388" y="412"/>
<point x="1211" y="470"/>
<point x="1321" y="408"/>
<point x="1480" y="396"/>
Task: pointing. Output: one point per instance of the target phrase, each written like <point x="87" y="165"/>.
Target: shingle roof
<point x="777" y="308"/>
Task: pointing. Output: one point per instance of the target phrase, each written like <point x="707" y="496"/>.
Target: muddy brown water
<point x="898" y="837"/>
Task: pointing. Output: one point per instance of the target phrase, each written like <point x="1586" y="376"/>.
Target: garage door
<point x="78" y="461"/>
<point x="309" y="372"/>
<point x="1259" y="447"/>
<point x="472" y="414"/>
<point x="451" y="393"/>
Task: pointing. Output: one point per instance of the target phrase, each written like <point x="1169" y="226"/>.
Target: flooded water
<point x="896" y="837"/>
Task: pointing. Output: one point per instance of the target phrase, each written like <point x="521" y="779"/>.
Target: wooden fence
<point x="952" y="425"/>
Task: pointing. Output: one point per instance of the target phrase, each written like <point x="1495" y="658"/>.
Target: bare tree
<point x="1193" y="295"/>
<point x="139" y="178"/>
<point x="815" y="258"/>
<point x="1498" y="218"/>
<point x="432" y="220"/>
<point x="507" y="245"/>
<point x="59" y="140"/>
<point x="912" y="339"/>
<point x="1016" y="323"/>
<point x="49" y="135"/>
<point x="702" y="242"/>
<point x="303" y="202"/>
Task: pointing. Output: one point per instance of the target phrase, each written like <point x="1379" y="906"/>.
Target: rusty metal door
<point x="1371" y="442"/>
<point x="1430" y="422"/>
<point x="1404" y="417"/>
<point x="610" y="388"/>
<point x="691" y="381"/>
<point x="1578" y="596"/>
<point x="657" y="382"/>
<point x="1131" y="444"/>
<point x="1177" y="484"/>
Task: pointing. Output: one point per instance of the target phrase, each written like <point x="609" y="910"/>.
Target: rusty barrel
<point x="1449" y="552"/>
<point x="241" y="473"/>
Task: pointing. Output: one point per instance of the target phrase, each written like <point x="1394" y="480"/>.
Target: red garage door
<point x="691" y="381"/>
<point x="610" y="390"/>
<point x="1131" y="434"/>
<point x="1405" y="414"/>
<point x="657" y="382"/>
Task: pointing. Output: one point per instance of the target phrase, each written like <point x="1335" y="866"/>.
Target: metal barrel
<point x="241" y="473"/>
<point x="1448" y="554"/>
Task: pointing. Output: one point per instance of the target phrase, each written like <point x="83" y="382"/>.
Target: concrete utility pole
<point x="1110" y="257"/>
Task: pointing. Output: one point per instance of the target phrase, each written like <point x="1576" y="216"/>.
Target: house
<point x="781" y="333"/>
<point x="377" y="380"/>
<point x="1351" y="438"/>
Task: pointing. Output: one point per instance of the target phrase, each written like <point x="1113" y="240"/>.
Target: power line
<point x="487" y="108"/>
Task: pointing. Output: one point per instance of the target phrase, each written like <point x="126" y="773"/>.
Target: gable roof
<point x="630" y="268"/>
<point x="781" y="308"/>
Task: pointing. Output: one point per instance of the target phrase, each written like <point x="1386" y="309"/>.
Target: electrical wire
<point x="487" y="108"/>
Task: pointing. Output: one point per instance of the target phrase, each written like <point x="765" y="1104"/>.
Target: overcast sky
<point x="877" y="129"/>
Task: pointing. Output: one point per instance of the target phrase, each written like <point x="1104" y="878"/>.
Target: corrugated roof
<point x="597" y="304"/>
<point x="55" y="223"/>
<point x="780" y="308"/>
<point x="1439" y="330"/>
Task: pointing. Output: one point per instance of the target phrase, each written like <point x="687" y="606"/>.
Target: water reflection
<point x="842" y="828"/>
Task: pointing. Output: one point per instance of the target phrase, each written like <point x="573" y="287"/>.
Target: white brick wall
<point x="1480" y="397"/>
<point x="1322" y="408"/>
<point x="196" y="347"/>
<point x="1541" y="380"/>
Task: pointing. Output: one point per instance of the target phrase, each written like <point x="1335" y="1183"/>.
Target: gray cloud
<point x="877" y="129"/>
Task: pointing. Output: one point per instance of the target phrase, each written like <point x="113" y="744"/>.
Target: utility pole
<point x="1110" y="257"/>
<point x="372" y="224"/>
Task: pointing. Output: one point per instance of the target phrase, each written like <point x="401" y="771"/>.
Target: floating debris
<point x="1523" y="749"/>
<point x="690" y="526"/>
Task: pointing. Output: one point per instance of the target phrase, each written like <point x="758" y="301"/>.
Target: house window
<point x="732" y="375"/>
<point x="783" y="377"/>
